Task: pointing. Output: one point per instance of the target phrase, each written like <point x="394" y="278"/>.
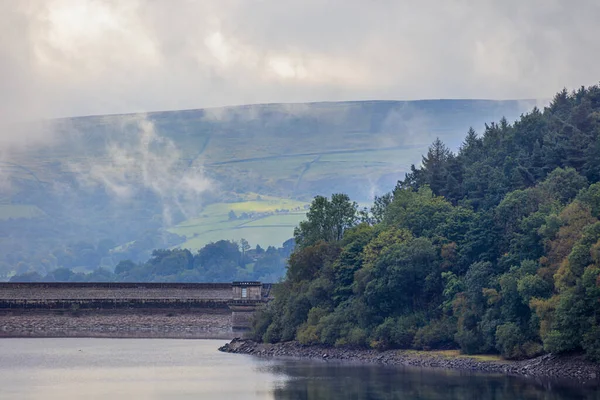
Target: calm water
<point x="64" y="369"/>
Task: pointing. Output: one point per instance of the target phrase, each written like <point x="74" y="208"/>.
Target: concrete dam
<point x="178" y="310"/>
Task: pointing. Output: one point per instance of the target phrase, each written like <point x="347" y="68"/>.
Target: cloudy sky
<point x="81" y="57"/>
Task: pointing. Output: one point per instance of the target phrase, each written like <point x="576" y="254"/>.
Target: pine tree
<point x="434" y="166"/>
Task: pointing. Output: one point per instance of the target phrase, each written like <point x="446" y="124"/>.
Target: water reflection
<point x="53" y="369"/>
<point x="336" y="381"/>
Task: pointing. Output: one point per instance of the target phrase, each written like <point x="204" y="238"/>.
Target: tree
<point x="124" y="267"/>
<point x="507" y="260"/>
<point x="380" y="204"/>
<point x="306" y="263"/>
<point x="434" y="166"/>
<point x="327" y="220"/>
<point x="564" y="184"/>
<point x="244" y="245"/>
<point x="259" y="250"/>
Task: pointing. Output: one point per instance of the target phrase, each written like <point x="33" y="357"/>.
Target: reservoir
<point x="74" y="368"/>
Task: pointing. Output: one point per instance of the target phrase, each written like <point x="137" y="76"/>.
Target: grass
<point x="214" y="224"/>
<point x="265" y="236"/>
<point x="454" y="354"/>
<point x="289" y="220"/>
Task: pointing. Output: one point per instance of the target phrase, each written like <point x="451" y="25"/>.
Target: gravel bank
<point x="148" y="324"/>
<point x="573" y="367"/>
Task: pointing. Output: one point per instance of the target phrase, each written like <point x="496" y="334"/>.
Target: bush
<point x="437" y="334"/>
<point x="591" y="344"/>
<point x="315" y="314"/>
<point x="532" y="349"/>
<point x="356" y="338"/>
<point x="260" y="323"/>
<point x="273" y="333"/>
<point x="470" y="342"/>
<point x="307" y="334"/>
<point x="508" y="341"/>
<point x="395" y="333"/>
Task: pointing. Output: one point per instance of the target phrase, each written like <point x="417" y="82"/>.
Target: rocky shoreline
<point x="117" y="324"/>
<point x="572" y="367"/>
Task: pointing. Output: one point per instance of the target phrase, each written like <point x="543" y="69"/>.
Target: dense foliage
<point x="493" y="249"/>
<point x="222" y="261"/>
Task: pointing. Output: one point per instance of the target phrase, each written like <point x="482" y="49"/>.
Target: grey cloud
<point x="78" y="57"/>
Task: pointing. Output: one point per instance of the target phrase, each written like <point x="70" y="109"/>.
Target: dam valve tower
<point x="247" y="297"/>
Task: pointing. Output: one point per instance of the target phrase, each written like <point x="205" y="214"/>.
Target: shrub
<point x="591" y="344"/>
<point x="260" y="323"/>
<point x="273" y="333"/>
<point x="508" y="341"/>
<point x="437" y="334"/>
<point x="357" y="337"/>
<point x="470" y="342"/>
<point x="315" y="314"/>
<point x="394" y="333"/>
<point x="307" y="334"/>
<point x="532" y="349"/>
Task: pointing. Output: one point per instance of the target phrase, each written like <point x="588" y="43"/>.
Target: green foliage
<point x="437" y="334"/>
<point x="306" y="265"/>
<point x="564" y="184"/>
<point x="398" y="282"/>
<point x="396" y="332"/>
<point x="216" y="262"/>
<point x="591" y="343"/>
<point x="509" y="339"/>
<point x="533" y="286"/>
<point x="326" y="220"/>
<point x="494" y="249"/>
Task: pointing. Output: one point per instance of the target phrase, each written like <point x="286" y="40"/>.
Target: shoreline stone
<point x="571" y="367"/>
<point x="118" y="324"/>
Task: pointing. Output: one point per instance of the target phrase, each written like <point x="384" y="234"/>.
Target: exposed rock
<point x="564" y="366"/>
<point x="118" y="323"/>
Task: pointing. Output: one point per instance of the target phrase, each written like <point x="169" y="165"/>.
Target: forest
<point x="492" y="249"/>
<point x="221" y="261"/>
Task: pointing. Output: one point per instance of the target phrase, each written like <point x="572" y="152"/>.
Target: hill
<point x="104" y="188"/>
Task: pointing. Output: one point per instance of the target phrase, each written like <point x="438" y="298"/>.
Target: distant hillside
<point x="122" y="180"/>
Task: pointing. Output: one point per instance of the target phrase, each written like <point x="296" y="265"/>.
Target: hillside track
<point x="320" y="153"/>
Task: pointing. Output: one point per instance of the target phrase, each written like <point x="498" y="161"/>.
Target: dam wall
<point x="190" y="310"/>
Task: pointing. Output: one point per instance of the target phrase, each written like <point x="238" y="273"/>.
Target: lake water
<point x="53" y="369"/>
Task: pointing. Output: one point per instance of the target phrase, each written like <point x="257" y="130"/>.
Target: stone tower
<point x="247" y="296"/>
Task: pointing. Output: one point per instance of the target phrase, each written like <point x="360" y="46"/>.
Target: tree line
<point x="494" y="248"/>
<point x="221" y="261"/>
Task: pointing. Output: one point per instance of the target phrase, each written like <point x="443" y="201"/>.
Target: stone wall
<point x="125" y="309"/>
<point x="247" y="290"/>
<point x="98" y="291"/>
<point x="119" y="323"/>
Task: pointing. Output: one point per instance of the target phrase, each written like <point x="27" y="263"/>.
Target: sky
<point x="81" y="57"/>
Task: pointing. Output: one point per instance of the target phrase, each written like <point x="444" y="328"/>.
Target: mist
<point x="137" y="158"/>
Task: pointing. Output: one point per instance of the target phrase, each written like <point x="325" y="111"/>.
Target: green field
<point x="267" y="226"/>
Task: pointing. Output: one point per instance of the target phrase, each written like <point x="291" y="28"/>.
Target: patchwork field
<point x="268" y="221"/>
